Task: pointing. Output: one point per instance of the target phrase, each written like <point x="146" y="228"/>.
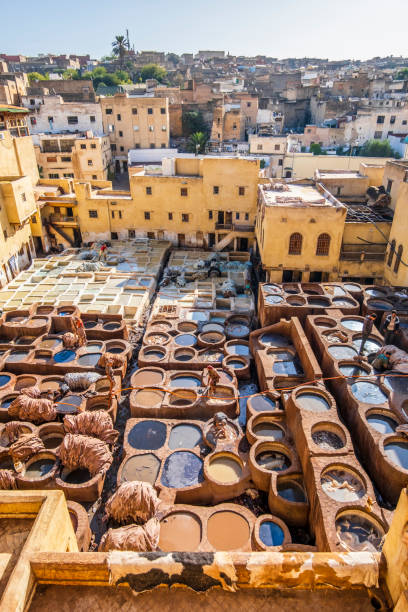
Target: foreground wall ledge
<point x="202" y="571"/>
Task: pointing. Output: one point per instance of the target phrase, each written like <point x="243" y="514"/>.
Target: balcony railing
<point x="223" y="226"/>
<point x="64" y="220"/>
<point x="243" y="227"/>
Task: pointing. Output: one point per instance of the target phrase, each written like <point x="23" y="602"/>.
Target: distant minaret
<point x="127" y="39"/>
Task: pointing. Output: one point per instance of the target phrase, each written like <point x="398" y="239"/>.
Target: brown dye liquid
<point x="225" y="469"/>
<point x="50" y="343"/>
<point x="52" y="441"/>
<point x="227" y="530"/>
<point x="147" y="377"/>
<point x="148" y="397"/>
<point x="50" y="385"/>
<point x="141" y="467"/>
<point x="180" y="531"/>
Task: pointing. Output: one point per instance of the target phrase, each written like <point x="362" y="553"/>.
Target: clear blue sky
<point x="279" y="28"/>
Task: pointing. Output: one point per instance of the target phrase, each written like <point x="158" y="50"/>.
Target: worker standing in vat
<point x="213" y="378"/>
<point x="367" y="329"/>
<point x="103" y="252"/>
<point x="391" y="326"/>
<point x="79" y="330"/>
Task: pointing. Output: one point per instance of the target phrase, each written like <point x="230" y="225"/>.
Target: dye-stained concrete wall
<point x="396" y="268"/>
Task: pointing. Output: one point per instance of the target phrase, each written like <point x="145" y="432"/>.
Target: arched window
<point x="295" y="244"/>
<point x="398" y="258"/>
<point x="391" y="254"/>
<point x="323" y="244"/>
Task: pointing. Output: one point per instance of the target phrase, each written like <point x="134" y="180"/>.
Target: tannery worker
<point x="213" y="379"/>
<point x="103" y="252"/>
<point x="391" y="326"/>
<point x="367" y="329"/>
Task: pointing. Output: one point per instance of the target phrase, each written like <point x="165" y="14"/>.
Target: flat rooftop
<point x="339" y="174"/>
<point x="360" y="213"/>
<point x="297" y="195"/>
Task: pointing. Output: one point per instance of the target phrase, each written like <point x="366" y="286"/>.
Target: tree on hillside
<point x="377" y="148"/>
<point x="193" y="121"/>
<point x="402" y="75"/>
<point x="173" y="58"/>
<point x="119" y="48"/>
<point x="316" y="149"/>
<point x="196" y="143"/>
<point x="153" y="71"/>
<point x="36" y="76"/>
<point x="71" y="73"/>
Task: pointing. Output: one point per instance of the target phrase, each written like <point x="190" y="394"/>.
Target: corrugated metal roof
<point x="8" y="108"/>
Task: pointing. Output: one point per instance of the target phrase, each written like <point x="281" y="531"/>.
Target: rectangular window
<point x="277" y="147"/>
<point x="23" y="197"/>
<point x="163" y="110"/>
<point x="94" y="177"/>
<point x="185" y="217"/>
<point x="92" y="118"/>
<point x="147" y="216"/>
<point x="131" y="233"/>
<point x="248" y="104"/>
<point x="137" y="145"/>
<point x="33" y="219"/>
<point x="51" y="159"/>
<point x="392" y="119"/>
<point x="259" y="147"/>
<point x="183" y="191"/>
<point x="93" y="146"/>
<point x="389" y="185"/>
<point x="53" y="175"/>
<point x="152" y="145"/>
<point x="216" y="190"/>
<point x="90" y="162"/>
<point x="120" y="214"/>
<point x="210" y="214"/>
<point x="134" y="111"/>
<point x="5" y="234"/>
<point x="114" y="235"/>
<point x="150" y="111"/>
<point x="234" y="126"/>
<point x="69" y="175"/>
<point x="51" y="119"/>
<point x="241" y="191"/>
<point x="119" y="117"/>
<point x="93" y="214"/>
<point x="83" y="146"/>
<point x="113" y="214"/>
<point x="108" y="111"/>
<point x="377" y="135"/>
<point x="170" y="216"/>
<point x="237" y="215"/>
<point x="163" y="145"/>
<point x="280" y="162"/>
<point x="113" y="147"/>
<point x="72" y="120"/>
<point x="65" y="159"/>
<point x="121" y="148"/>
<point x="404" y="122"/>
<point x="246" y="216"/>
<point x="151" y="235"/>
<point x="120" y="133"/>
<point x="148" y="191"/>
<point x="32" y="102"/>
<point x="380" y="118"/>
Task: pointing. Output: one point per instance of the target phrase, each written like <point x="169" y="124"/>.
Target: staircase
<point x="61" y="232"/>
<point x="225" y="241"/>
<point x="238" y="231"/>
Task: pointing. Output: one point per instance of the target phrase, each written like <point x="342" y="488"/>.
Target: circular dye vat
<point x="187" y="326"/>
<point x="90" y="359"/>
<point x="272" y="289"/>
<point x="185" y="340"/>
<point x="153" y="355"/>
<point x="50" y="385"/>
<point x="397" y="453"/>
<point x="379" y="305"/>
<point x="141" y="467"/>
<point x="291" y="367"/>
<point x="320" y="302"/>
<point x="268" y="430"/>
<point x="147" y="377"/>
<point x="25" y="340"/>
<point x="273" y="461"/>
<point x="381" y="423"/>
<point x="227" y="530"/>
<point x="351" y="287"/>
<point x="182" y="469"/>
<point x="291" y="490"/>
<point x="68" y="404"/>
<point x="78" y="476"/>
<point x="39" y="468"/>
<point x="342" y="301"/>
<point x="262" y="403"/>
<point x="225" y="469"/>
<point x="4" y="379"/>
<point x="313" y="402"/>
<point x="6" y="401"/>
<point x="147" y="435"/>
<point x="163" y="326"/>
<point x="183" y="355"/>
<point x="185" y="381"/>
<point x="238" y="349"/>
<point x="148" y="397"/>
<point x="212" y="355"/>
<point x="156" y="338"/>
<point x="212" y="338"/>
<point x="91" y="347"/>
<point x="90" y="324"/>
<point x="352" y="324"/>
<point x="352" y="370"/>
<point x="53" y="441"/>
<point x="237" y="365"/>
<point x="180" y="531"/>
<point x="50" y="343"/>
<point x="111" y="326"/>
<point x="64" y="356"/>
<point x="370" y="346"/>
<point x="17" y="356"/>
<point x="327" y="440"/>
<point x="271" y="534"/>
<point x="375" y="292"/>
<point x="368" y="392"/>
<point x="273" y="299"/>
<point x="359" y="533"/>
<point x="237" y="330"/>
<point x="185" y="436"/>
<point x="337" y="290"/>
<point x="342" y="485"/>
<point x="325" y="323"/>
<point x="212" y="327"/>
<point x="342" y="352"/>
<point x="274" y="340"/>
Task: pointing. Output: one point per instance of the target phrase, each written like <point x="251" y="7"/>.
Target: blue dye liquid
<point x="64" y="356"/>
<point x="368" y="392"/>
<point x="147" y="435"/>
<point x="182" y="469"/>
<point x="271" y="534"/>
<point x="4" y="379"/>
<point x="382" y="424"/>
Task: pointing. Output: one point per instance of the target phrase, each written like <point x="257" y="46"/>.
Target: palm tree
<point x="119" y="47"/>
<point x="196" y="142"/>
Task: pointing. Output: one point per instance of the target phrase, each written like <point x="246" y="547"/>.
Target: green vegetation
<point x="377" y="148"/>
<point x="36" y="76"/>
<point x="153" y="71"/>
<point x="173" y="58"/>
<point x="196" y="143"/>
<point x="402" y="75"/>
<point x="316" y="149"/>
<point x="99" y="75"/>
<point x="119" y="48"/>
<point x="193" y="122"/>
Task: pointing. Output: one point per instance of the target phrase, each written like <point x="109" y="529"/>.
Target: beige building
<point x="396" y="183"/>
<point x="80" y="156"/>
<point x="135" y="122"/>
